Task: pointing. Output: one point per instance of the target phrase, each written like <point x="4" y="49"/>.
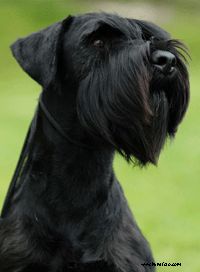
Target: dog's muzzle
<point x="164" y="61"/>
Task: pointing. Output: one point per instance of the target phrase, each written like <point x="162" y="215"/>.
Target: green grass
<point x="165" y="199"/>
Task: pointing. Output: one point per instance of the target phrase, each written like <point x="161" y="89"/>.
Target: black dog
<point x="109" y="83"/>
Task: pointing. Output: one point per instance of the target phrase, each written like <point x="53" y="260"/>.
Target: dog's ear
<point x="151" y="30"/>
<point x="38" y="53"/>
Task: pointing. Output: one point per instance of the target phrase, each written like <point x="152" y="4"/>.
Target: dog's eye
<point x="98" y="43"/>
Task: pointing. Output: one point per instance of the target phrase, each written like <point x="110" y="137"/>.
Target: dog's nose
<point x="164" y="61"/>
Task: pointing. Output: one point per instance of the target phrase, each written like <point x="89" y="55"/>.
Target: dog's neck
<point x="76" y="179"/>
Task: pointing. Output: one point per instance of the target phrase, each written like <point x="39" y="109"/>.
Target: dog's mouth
<point x="161" y="81"/>
<point x="166" y="73"/>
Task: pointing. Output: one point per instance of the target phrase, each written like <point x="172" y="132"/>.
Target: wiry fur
<point x="68" y="211"/>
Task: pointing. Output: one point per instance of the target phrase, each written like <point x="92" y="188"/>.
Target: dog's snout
<point x="164" y="61"/>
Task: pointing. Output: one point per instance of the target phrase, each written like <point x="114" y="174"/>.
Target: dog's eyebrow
<point x="97" y="26"/>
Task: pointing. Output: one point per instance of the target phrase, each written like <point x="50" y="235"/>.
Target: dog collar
<point x="57" y="126"/>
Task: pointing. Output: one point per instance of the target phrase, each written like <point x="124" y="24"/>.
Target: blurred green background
<point x="165" y="199"/>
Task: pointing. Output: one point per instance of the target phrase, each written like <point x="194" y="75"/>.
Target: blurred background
<point x="165" y="199"/>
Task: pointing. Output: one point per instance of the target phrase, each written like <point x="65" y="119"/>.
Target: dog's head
<point x="129" y="78"/>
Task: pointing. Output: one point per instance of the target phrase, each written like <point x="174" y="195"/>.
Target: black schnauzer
<point x="109" y="83"/>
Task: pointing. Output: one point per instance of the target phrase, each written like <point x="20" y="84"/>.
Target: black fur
<point x="68" y="211"/>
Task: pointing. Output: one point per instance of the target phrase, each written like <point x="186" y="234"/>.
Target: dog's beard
<point x="122" y="103"/>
